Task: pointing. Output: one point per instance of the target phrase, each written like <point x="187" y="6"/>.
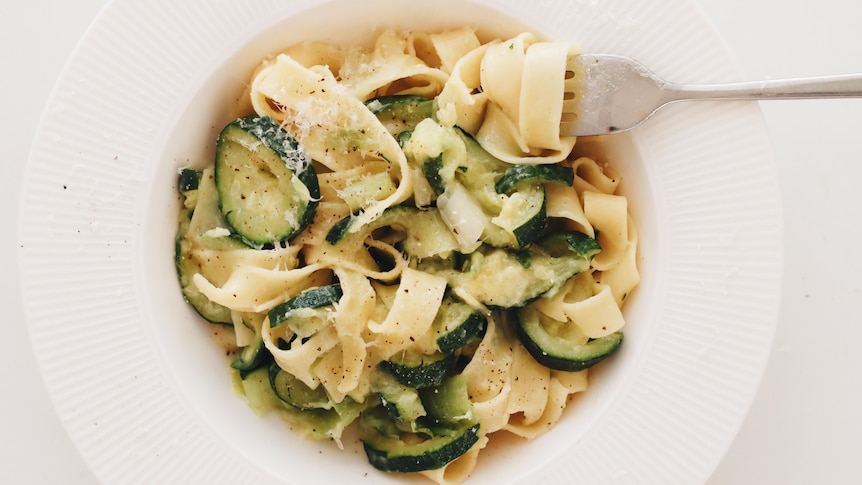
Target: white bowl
<point x="146" y="395"/>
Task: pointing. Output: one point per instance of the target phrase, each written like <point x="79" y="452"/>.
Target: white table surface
<point x="805" y="424"/>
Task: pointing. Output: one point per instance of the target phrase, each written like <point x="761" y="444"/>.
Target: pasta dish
<point x="397" y="238"/>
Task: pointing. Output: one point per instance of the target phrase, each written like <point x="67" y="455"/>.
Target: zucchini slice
<point x="251" y="356"/>
<point x="187" y="267"/>
<point x="391" y="453"/>
<point x="517" y="217"/>
<point x="400" y="401"/>
<point x="448" y="404"/>
<point x="401" y="112"/>
<point x="562" y="346"/>
<point x="189" y="179"/>
<point x="295" y="392"/>
<point x="570" y="244"/>
<point x="327" y="422"/>
<point x="465" y="178"/>
<point x="520" y="175"/>
<point x="528" y="274"/>
<point x="425" y="233"/>
<point x="267" y="185"/>
<point x="431" y="170"/>
<point x="456" y="324"/>
<point x="523" y="216"/>
<point x="418" y="370"/>
<point x="453" y="430"/>
<point x="368" y="188"/>
<point x="312" y="298"/>
<point x="198" y="220"/>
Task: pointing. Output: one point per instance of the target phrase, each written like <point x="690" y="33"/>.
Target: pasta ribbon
<point x="253" y="289"/>
<point x="355" y="308"/>
<point x="416" y="302"/>
<point x="565" y="203"/>
<point x="524" y="80"/>
<point x="462" y="102"/>
<point x="608" y="214"/>
<point x="598" y="315"/>
<point x="529" y="386"/>
<point x="624" y="276"/>
<point x="488" y="377"/>
<point x="391" y="68"/>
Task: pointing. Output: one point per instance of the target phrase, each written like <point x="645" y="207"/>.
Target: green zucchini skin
<point x="294" y="392"/>
<point x="387" y="452"/>
<point x="457" y="324"/>
<point x="483" y="176"/>
<point x="530" y="273"/>
<point x="199" y="203"/>
<point x="449" y="430"/>
<point x="557" y="351"/>
<point x="425" y="232"/>
<point x="267" y="185"/>
<point x="561" y="244"/>
<point x="420" y="371"/>
<point x="186" y="268"/>
<point x="532" y="227"/>
<point x="251" y="357"/>
<point x="431" y="171"/>
<point x="189" y="179"/>
<point x="442" y="450"/>
<point x="400" y="113"/>
<point x="401" y="402"/>
<point x="312" y="298"/>
<point x="339" y="230"/>
<point x="519" y="175"/>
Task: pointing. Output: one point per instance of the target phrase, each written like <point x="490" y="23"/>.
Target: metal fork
<point x="607" y="94"/>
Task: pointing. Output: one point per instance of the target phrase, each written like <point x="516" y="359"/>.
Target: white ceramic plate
<point x="145" y="395"/>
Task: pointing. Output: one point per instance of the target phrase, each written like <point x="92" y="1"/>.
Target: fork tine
<point x="572" y="93"/>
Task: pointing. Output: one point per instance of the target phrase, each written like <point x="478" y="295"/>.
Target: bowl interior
<point x="197" y="368"/>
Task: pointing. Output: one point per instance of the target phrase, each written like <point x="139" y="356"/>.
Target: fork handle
<point x="841" y="86"/>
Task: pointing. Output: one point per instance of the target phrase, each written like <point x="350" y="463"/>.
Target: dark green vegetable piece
<point x="251" y="356"/>
<point x="450" y="430"/>
<point x="553" y="348"/>
<point x="199" y="215"/>
<point x="424" y="232"/>
<point x="530" y="273"/>
<point x="431" y="171"/>
<point x="418" y="371"/>
<point x="188" y="180"/>
<point x="519" y="175"/>
<point x="456" y="324"/>
<point x="267" y="185"/>
<point x="294" y="392"/>
<point x="318" y="297"/>
<point x="400" y="113"/>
